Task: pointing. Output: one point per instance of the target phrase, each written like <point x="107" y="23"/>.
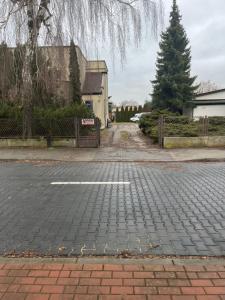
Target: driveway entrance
<point x="125" y="135"/>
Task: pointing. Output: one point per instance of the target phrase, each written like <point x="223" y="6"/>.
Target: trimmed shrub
<point x="57" y="121"/>
<point x="149" y="123"/>
<point x="10" y="111"/>
<point x="180" y="126"/>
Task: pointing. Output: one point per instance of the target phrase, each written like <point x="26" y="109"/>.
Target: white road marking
<point x="92" y="183"/>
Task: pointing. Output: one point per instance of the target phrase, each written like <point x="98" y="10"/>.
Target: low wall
<point x="194" y="142"/>
<point x="68" y="143"/>
<point x="37" y="143"/>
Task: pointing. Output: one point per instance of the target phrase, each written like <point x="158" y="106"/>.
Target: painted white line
<point x="92" y="183"/>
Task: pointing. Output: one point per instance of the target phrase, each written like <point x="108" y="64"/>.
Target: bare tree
<point x="207" y="86"/>
<point x="85" y="21"/>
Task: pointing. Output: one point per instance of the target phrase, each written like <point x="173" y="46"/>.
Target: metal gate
<point x="161" y="124"/>
<point x="88" y="133"/>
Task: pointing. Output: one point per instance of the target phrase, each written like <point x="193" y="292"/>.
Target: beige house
<point x="93" y="77"/>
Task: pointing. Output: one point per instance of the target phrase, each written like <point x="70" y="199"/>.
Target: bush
<point x="149" y="123"/>
<point x="180" y="126"/>
<point x="70" y="111"/>
<point x="190" y="129"/>
<point x="10" y="111"/>
<point x="56" y="121"/>
<point x="214" y="121"/>
<point x="216" y="125"/>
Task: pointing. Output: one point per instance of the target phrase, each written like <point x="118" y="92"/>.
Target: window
<point x="89" y="104"/>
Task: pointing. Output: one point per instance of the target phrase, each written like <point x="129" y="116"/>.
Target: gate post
<point x="77" y="131"/>
<point x="98" y="132"/>
<point x="161" y="131"/>
<point x="206" y="126"/>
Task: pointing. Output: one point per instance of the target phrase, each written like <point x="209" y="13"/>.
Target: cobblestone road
<point x="176" y="209"/>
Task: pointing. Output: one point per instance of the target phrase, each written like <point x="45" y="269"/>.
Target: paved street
<point x="167" y="208"/>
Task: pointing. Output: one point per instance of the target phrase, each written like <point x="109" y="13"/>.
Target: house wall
<point x="105" y="98"/>
<point x="96" y="66"/>
<point x="59" y="58"/>
<point x="218" y="96"/>
<point x="209" y="110"/>
<point x="98" y="107"/>
<point x="100" y="102"/>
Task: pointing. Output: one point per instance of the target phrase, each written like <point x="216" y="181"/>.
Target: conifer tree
<point x="126" y="114"/>
<point x="74" y="75"/>
<point x="140" y="109"/>
<point x="117" y="115"/>
<point x="122" y="114"/>
<point x="147" y="106"/>
<point x="174" y="87"/>
<point x="131" y="113"/>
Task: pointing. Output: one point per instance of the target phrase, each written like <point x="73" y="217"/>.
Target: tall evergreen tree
<point x="140" y="109"/>
<point x="147" y="106"/>
<point x="122" y="114"/>
<point x="131" y="113"/>
<point x="126" y="114"/>
<point x="74" y="75"/>
<point x="117" y="115"/>
<point x="174" y="87"/>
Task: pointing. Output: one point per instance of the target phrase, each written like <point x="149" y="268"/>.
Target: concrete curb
<point x="113" y="260"/>
<point x="203" y="160"/>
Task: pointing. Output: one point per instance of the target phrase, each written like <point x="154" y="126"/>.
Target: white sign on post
<point x="88" y="122"/>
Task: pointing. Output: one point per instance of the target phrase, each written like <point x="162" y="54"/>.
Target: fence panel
<point x="87" y="135"/>
<point x="183" y="126"/>
<point x="11" y="128"/>
<point x="216" y="126"/>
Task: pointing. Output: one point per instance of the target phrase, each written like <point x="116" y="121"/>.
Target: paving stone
<point x="170" y="209"/>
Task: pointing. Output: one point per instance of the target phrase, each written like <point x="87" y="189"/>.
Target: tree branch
<point x="43" y="14"/>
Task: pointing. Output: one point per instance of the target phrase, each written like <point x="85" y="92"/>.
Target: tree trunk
<point x="27" y="74"/>
<point x="35" y="20"/>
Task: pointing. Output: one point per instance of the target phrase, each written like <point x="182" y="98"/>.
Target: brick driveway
<point x="57" y="281"/>
<point x="176" y="209"/>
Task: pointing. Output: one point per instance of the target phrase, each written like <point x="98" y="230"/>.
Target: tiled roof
<point x="92" y="84"/>
<point x="210" y="93"/>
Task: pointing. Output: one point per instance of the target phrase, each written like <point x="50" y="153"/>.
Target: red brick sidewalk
<point x="111" y="282"/>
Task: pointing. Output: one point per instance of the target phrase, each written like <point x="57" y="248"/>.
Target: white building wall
<point x="216" y="95"/>
<point x="209" y="111"/>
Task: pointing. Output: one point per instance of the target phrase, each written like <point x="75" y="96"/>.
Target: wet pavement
<point x="168" y="208"/>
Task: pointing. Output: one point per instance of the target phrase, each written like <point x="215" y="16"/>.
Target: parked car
<point x="137" y="117"/>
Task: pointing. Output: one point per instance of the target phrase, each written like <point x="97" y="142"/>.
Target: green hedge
<point x="216" y="126"/>
<point x="180" y="126"/>
<point x="149" y="123"/>
<point x="70" y="111"/>
<point x="11" y="111"/>
<point x="55" y="121"/>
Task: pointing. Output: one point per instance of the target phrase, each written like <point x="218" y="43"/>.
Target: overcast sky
<point x="204" y="21"/>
